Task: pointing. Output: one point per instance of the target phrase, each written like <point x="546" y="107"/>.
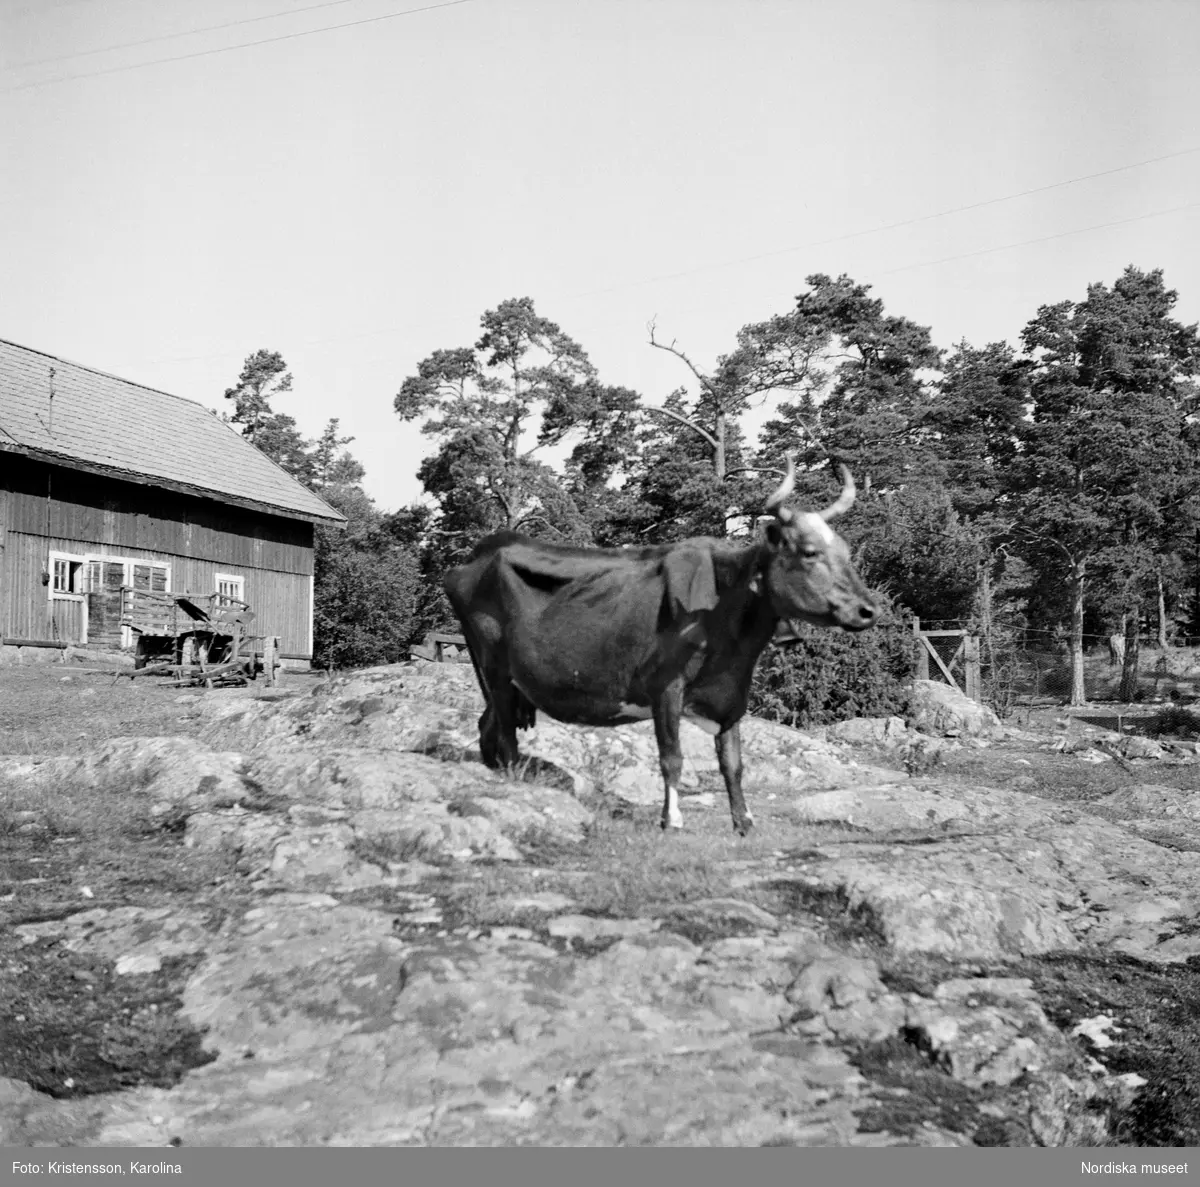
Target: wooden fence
<point x="956" y="664"/>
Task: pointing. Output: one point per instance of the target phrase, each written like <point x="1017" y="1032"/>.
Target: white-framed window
<point x="231" y="585"/>
<point x="112" y="572"/>
<point x="67" y="575"/>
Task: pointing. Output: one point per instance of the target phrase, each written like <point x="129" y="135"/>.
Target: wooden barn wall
<point x="124" y="515"/>
<point x="280" y="601"/>
<point x="88" y="514"/>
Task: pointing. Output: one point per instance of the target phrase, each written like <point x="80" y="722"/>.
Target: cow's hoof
<point x="744" y="826"/>
<point x="675" y="822"/>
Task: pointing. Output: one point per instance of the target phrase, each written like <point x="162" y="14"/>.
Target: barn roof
<point x="105" y="425"/>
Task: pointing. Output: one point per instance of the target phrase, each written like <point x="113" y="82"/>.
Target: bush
<point x="366" y="587"/>
<point x="1175" y="722"/>
<point x="831" y="675"/>
<point x="365" y="605"/>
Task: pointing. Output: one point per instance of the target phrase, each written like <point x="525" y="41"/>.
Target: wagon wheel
<point x="204" y="640"/>
<point x="186" y="652"/>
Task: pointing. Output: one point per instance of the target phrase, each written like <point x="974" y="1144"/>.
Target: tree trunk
<point x="719" y="452"/>
<point x="1078" y="692"/>
<point x="1116" y="644"/>
<point x="1162" y="616"/>
<point x="1129" y="671"/>
<point x="1116" y="649"/>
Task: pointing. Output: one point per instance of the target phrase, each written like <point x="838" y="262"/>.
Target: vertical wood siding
<point x="6" y="562"/>
<point x="198" y="538"/>
<point x="66" y="620"/>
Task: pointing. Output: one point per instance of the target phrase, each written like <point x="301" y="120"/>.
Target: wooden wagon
<point x="201" y="639"/>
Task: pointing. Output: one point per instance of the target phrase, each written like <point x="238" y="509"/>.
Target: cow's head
<point x="809" y="575"/>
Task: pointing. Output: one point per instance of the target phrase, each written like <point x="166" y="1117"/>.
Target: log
<point x="150" y="670"/>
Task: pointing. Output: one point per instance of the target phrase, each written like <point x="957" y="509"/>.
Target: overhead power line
<point x="1120" y="222"/>
<point x="205" y="53"/>
<point x="250" y="20"/>
<point x="904" y="268"/>
<point x="908" y="222"/>
<point x="852" y="235"/>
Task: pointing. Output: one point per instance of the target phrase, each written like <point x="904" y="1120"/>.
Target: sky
<point x="353" y="183"/>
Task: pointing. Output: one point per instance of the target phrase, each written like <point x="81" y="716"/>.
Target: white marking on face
<point x="818" y="526"/>
<point x="709" y="727"/>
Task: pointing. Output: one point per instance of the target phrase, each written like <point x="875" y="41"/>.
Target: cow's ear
<point x="691" y="583"/>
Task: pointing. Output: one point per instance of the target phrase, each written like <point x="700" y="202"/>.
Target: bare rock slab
<point x="941" y="709"/>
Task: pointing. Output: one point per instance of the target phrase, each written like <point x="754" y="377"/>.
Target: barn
<point x="107" y="485"/>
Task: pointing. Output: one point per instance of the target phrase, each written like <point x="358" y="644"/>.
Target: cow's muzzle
<point x="857" y="616"/>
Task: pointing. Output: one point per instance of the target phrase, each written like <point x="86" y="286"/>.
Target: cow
<point x="595" y="636"/>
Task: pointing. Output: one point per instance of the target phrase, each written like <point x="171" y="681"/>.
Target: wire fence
<point x="1027" y="670"/>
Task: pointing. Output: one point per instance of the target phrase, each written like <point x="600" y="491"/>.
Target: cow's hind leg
<point x="729" y="758"/>
<point x="667" y="710"/>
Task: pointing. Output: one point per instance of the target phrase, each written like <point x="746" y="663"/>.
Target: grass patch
<point x="63" y="709"/>
<point x="544" y="847"/>
<point x="709" y="929"/>
<point x="1174" y="722"/>
<point x="910" y="1092"/>
<point x="70" y="845"/>
<point x="383" y="851"/>
<point x="1061" y="777"/>
<point x="843" y="923"/>
<point x="69" y="1026"/>
<point x="1155" y="1007"/>
<point x="922" y="973"/>
<point x="636" y="871"/>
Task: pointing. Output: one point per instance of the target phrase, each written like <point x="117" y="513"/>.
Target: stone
<point x="1137" y="747"/>
<point x="940" y="709"/>
<point x="878" y="731"/>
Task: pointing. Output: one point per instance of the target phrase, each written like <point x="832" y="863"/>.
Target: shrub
<point x="830" y="675"/>
<point x="1175" y="722"/>
<point x="366" y="588"/>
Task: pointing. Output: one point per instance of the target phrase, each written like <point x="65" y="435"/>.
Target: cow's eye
<point x="810" y="553"/>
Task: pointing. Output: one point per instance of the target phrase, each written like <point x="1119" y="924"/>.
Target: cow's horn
<point x="775" y="504"/>
<point x="844" y="501"/>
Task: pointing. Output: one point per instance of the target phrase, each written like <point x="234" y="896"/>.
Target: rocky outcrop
<point x="938" y="708"/>
<point x="353" y="1004"/>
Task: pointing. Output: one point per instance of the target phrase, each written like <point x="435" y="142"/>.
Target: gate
<point x="955" y="655"/>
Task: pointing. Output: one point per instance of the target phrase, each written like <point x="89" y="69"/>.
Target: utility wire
<point x="839" y="239"/>
<point x="905" y="268"/>
<point x="105" y="49"/>
<point x="205" y="53"/>
<point x="1120" y="222"/>
<point x="908" y="222"/>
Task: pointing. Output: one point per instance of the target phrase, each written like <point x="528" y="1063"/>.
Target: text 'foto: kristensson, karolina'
<point x="59" y="1167"/>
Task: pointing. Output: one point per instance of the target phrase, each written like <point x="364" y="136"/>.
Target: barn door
<point x="105" y="578"/>
<point x="68" y="607"/>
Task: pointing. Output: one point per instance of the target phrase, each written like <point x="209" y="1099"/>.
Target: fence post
<point x="271" y="659"/>
<point x="922" y="654"/>
<point x="971" y="681"/>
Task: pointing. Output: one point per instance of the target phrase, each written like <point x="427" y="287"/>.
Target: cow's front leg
<point x="729" y="759"/>
<point x="498" y="731"/>
<point x="667" y="711"/>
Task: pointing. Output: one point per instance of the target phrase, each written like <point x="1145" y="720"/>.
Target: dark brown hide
<point x="606" y="636"/>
